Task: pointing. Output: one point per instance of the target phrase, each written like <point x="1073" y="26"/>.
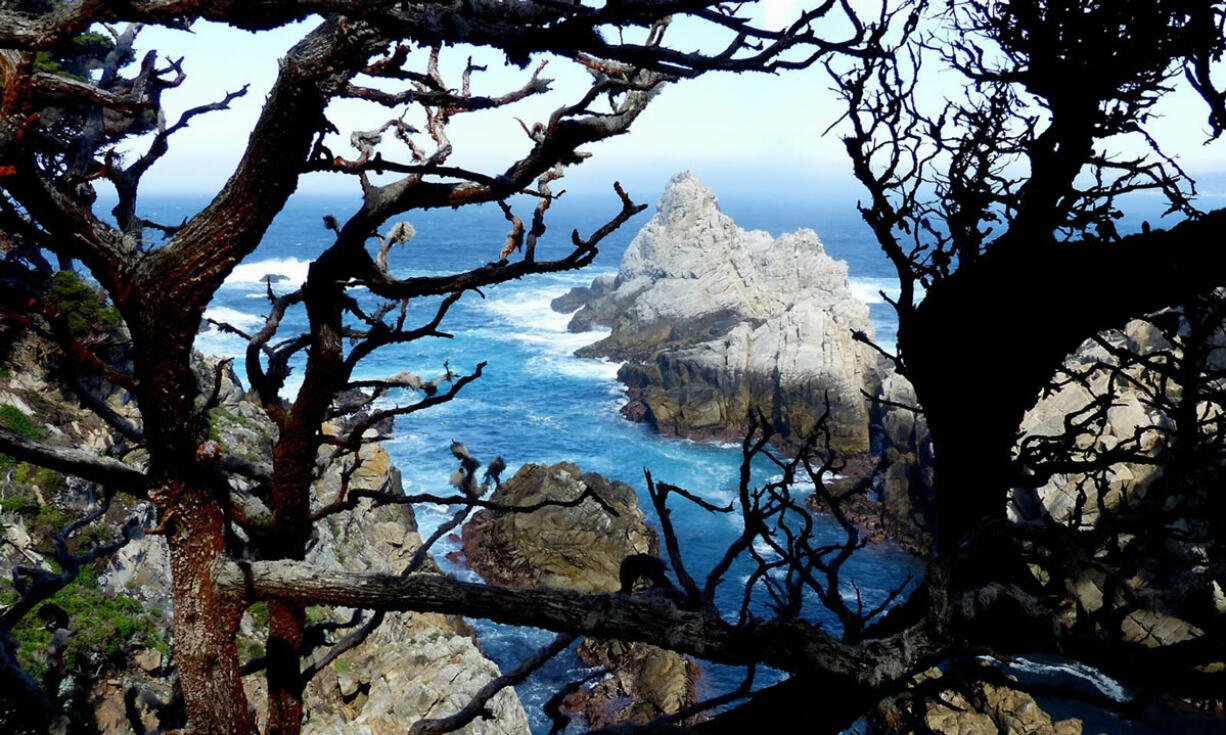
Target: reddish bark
<point x="206" y="619"/>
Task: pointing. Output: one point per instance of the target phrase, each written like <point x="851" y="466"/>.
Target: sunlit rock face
<point x="715" y="321"/>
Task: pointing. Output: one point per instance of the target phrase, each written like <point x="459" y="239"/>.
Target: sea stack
<point x="714" y="321"/>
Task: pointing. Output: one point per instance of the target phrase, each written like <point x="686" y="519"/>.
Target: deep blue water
<point x="536" y="401"/>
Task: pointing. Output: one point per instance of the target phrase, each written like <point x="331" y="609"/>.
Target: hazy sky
<point x="738" y="132"/>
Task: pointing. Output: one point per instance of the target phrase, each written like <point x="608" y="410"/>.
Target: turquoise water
<point x="537" y="402"/>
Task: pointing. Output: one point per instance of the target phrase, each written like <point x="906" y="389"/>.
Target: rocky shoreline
<point x="119" y="665"/>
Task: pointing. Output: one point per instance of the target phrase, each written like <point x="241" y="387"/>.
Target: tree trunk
<point x="986" y="340"/>
<point x="286" y="623"/>
<point x="191" y="512"/>
<point x="206" y="619"/>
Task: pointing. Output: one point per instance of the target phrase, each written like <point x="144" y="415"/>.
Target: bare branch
<point x="104" y="470"/>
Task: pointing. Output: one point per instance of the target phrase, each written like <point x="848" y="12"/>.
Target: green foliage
<point x="74" y="58"/>
<point x="43" y="518"/>
<point x="13" y="419"/>
<point x="314" y="614"/>
<point x="104" y="628"/>
<point x="50" y="519"/>
<point x="92" y="42"/>
<point x="80" y="304"/>
<point x="236" y="434"/>
<point x="251" y="649"/>
<point x="46" y="63"/>
<point x="318" y="613"/>
<point x="259" y="615"/>
<point x="20" y="504"/>
<point x="28" y="474"/>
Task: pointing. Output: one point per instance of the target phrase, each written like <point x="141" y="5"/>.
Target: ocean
<point x="536" y="402"/>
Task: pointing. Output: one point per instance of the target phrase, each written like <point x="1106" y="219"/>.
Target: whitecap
<point x="292" y="272"/>
<point x="764" y="549"/>
<point x="580" y="278"/>
<point x="531" y="309"/>
<point x="868" y="289"/>
<point x="233" y="317"/>
<point x="216" y="342"/>
<point x="601" y="370"/>
<point x="1100" y="681"/>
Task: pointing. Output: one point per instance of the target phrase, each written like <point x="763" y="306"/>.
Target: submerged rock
<point x="715" y="321"/>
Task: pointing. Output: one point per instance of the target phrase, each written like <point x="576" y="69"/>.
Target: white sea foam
<point x="215" y="342"/>
<point x="531" y="309"/>
<point x="868" y="289"/>
<point x="292" y="270"/>
<point x="614" y="405"/>
<point x="577" y="367"/>
<point x="1096" y="678"/>
<point x="233" y="316"/>
<point x="764" y="549"/>
<point x="801" y="482"/>
<point x="558" y="342"/>
<point x="531" y="321"/>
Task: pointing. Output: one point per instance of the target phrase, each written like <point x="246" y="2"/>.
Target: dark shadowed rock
<point x="577" y="548"/>
<point x="581" y="296"/>
<point x="581" y="548"/>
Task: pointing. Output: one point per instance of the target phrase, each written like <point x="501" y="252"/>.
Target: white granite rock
<point x="767" y="322"/>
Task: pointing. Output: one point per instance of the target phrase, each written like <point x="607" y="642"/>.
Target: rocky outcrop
<point x="644" y="682"/>
<point x="581" y="548"/>
<point x="1131" y="423"/>
<point x="900" y="496"/>
<point x="907" y="475"/>
<point x="975" y="708"/>
<point x="415" y="665"/>
<point x="111" y="642"/>
<point x="583" y="297"/>
<point x="578" y="548"/>
<point x="715" y="321"/>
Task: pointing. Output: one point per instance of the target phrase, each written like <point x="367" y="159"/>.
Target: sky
<point x="746" y="134"/>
